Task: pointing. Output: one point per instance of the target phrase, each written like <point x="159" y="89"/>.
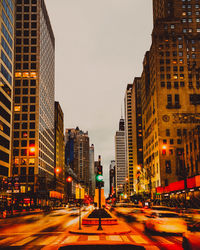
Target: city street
<point x="40" y="231"/>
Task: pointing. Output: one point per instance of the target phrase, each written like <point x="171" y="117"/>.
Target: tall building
<point x="91" y="172"/>
<point x="170" y="89"/>
<point x="59" y="150"/>
<point x="6" y="84"/>
<point x="120" y="158"/>
<point x="137" y="141"/>
<point x="77" y="154"/>
<point x="33" y="132"/>
<point x="129" y="115"/>
<point x="112" y="178"/>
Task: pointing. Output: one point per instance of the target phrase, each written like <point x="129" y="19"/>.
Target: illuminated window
<point x="17" y="108"/>
<point x="25" y="74"/>
<point x="33" y="74"/>
<point x="18" y="74"/>
<point x="31" y="161"/>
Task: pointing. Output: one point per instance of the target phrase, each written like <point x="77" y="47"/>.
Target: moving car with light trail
<point x="168" y="222"/>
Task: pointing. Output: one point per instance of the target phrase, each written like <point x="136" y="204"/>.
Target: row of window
<point x="26" y="33"/>
<point x="25" y="91"/>
<point x="179" y="132"/>
<point x="24" y="134"/>
<point x="24" y="125"/>
<point x="25" y="49"/>
<point x="25" y="99"/>
<point x="25" y="82"/>
<point x="27" y="1"/>
<point x="24" y="169"/>
<point x="26" y="17"/>
<point x="189" y="6"/>
<point x="190" y="30"/>
<point x="25" y="66"/>
<point x="23" y="143"/>
<point x="26" y="41"/>
<point x="26" y="9"/>
<point x="189" y="20"/>
<point x="174" y="76"/>
<point x="174" y="68"/>
<point x="169" y="85"/>
<point x="26" y="25"/>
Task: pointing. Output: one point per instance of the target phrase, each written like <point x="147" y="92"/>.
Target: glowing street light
<point x="57" y="170"/>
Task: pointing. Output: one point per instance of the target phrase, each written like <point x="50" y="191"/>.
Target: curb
<point x="98" y="233"/>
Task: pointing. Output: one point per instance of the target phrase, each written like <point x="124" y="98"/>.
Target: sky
<point x="100" y="47"/>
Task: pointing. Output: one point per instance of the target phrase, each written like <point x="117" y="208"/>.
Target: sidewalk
<point x="121" y="228"/>
<point x="21" y="213"/>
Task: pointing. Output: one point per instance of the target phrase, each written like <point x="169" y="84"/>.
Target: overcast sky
<point x="100" y="46"/>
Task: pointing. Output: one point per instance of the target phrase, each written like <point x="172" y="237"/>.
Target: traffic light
<point x="99" y="177"/>
<point x="69" y="179"/>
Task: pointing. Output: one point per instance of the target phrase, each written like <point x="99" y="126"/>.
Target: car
<point x="191" y="238"/>
<point x="164" y="221"/>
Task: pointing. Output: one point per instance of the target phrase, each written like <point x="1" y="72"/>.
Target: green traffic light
<point x="99" y="177"/>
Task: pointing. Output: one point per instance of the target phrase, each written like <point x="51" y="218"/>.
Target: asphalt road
<point x="41" y="230"/>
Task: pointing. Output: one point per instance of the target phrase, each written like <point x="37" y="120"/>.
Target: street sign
<point x="80" y="193"/>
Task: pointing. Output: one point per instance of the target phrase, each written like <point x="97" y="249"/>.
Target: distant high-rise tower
<point x="112" y="177"/>
<point x="6" y="84"/>
<point x="120" y="158"/>
<point x="91" y="172"/>
<point x="33" y="133"/>
<point x="77" y="153"/>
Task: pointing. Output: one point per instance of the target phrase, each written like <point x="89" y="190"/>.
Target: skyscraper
<point x="77" y="154"/>
<point x="6" y="84"/>
<point x="170" y="89"/>
<point x="129" y="115"/>
<point x="91" y="171"/>
<point x="33" y="133"/>
<point x="59" y="149"/>
<point x="120" y="158"/>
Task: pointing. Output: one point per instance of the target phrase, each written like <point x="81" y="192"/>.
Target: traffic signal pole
<point x="100" y="227"/>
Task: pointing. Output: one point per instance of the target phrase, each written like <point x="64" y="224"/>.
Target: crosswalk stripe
<point x="93" y="237"/>
<point x="138" y="239"/>
<point x="23" y="242"/>
<point x="46" y="241"/>
<point x="6" y="240"/>
<point x="114" y="238"/>
<point x="70" y="239"/>
<point x="125" y="238"/>
<point x="162" y="240"/>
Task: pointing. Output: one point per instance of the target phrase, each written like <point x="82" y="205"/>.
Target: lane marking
<point x="70" y="239"/>
<point x="125" y="238"/>
<point x="162" y="240"/>
<point x="139" y="239"/>
<point x="46" y="241"/>
<point x="114" y="238"/>
<point x="93" y="237"/>
<point x="6" y="240"/>
<point x="24" y="241"/>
